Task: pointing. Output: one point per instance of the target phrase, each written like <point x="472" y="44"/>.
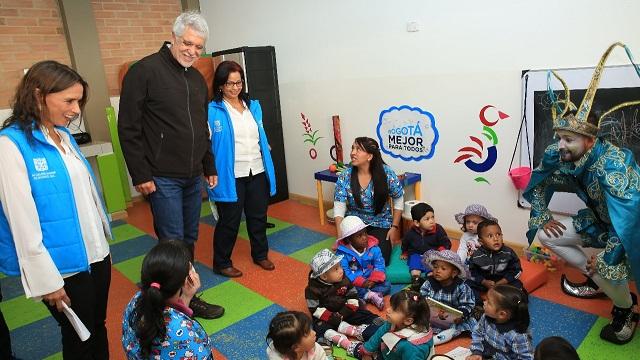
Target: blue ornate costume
<point x="607" y="179"/>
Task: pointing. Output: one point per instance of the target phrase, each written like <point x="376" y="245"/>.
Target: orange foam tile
<point x="218" y="355"/>
<point x="120" y="293"/>
<point x="284" y="285"/>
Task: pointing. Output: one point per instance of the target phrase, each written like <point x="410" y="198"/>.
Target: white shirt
<point x="39" y="274"/>
<point x="248" y="157"/>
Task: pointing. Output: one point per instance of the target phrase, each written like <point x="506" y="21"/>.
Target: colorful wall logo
<point x="408" y="133"/>
<point x="487" y="154"/>
<point x="310" y="136"/>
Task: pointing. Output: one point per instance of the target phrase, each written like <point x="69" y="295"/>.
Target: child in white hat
<point x="446" y="285"/>
<point x="334" y="305"/>
<point x="362" y="261"/>
<point x="473" y="215"/>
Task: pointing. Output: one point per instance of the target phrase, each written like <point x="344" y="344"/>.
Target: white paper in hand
<point x="78" y="326"/>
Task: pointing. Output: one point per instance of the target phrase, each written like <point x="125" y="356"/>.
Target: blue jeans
<point x="175" y="206"/>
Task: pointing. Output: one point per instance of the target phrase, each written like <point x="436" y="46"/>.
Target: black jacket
<point x="332" y="299"/>
<point x="162" y="121"/>
<point x="494" y="265"/>
<point x="416" y="242"/>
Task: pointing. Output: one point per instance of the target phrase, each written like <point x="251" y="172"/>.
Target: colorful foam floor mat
<point x="253" y="299"/>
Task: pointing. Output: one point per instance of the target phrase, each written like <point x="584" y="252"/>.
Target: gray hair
<point x="192" y="19"/>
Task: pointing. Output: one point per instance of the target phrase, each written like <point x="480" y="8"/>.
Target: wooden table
<point x="326" y="175"/>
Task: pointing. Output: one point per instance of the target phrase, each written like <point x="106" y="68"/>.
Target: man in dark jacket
<point x="165" y="136"/>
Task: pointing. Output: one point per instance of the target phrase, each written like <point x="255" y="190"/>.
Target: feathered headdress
<point x="577" y="119"/>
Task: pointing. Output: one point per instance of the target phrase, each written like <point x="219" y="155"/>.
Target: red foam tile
<point x="302" y="215"/>
<point x="120" y="293"/>
<point x="204" y="245"/>
<point x="284" y="285"/>
<point x="139" y="215"/>
<point x="552" y="292"/>
<point x="533" y="275"/>
<point x="218" y="355"/>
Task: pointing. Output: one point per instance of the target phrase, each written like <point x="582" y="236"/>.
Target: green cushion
<point x="398" y="271"/>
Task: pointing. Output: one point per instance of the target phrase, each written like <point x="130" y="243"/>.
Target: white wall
<point x="354" y="58"/>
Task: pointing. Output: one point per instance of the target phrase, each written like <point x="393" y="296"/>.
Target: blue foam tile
<point x="551" y="319"/>
<point x="132" y="248"/>
<point x="208" y="278"/>
<point x="37" y="340"/>
<point x="115" y="223"/>
<point x="246" y="339"/>
<point x="209" y="220"/>
<point x="11" y="287"/>
<point x="293" y="238"/>
<point x="396" y="288"/>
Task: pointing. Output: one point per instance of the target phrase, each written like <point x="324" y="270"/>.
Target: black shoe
<point x="205" y="310"/>
<point x="585" y="290"/>
<point x="270" y="225"/>
<point x="623" y="324"/>
<point x="416" y="283"/>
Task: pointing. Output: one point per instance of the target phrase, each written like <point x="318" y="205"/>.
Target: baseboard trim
<point x="452" y="233"/>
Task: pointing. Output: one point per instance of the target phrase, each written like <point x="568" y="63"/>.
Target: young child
<point x="158" y="323"/>
<point x="292" y="338"/>
<point x="362" y="261"/>
<point x="555" y="348"/>
<point x="473" y="215"/>
<point x="493" y="263"/>
<point x="425" y="235"/>
<point x="406" y="333"/>
<point x="502" y="332"/>
<point x="333" y="302"/>
<point x="446" y="285"/>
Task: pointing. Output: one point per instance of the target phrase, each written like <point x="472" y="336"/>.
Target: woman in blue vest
<point x="53" y="226"/>
<point x="245" y="170"/>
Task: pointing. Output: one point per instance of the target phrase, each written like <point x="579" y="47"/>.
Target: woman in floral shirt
<point x="363" y="190"/>
<point x="158" y="322"/>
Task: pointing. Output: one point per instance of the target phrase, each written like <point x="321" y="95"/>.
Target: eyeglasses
<point x="230" y="84"/>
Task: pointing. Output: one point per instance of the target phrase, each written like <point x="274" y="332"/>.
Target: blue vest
<point x="53" y="196"/>
<point x="223" y="148"/>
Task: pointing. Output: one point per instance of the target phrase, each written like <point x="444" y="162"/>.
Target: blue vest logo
<point x="40" y="164"/>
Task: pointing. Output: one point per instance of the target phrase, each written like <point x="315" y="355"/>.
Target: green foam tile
<point x="305" y="255"/>
<point x="205" y="210"/>
<point x="238" y="302"/>
<point x="242" y="232"/>
<point x="125" y="232"/>
<point x="592" y="347"/>
<point x="21" y="311"/>
<point x="341" y="353"/>
<point x="131" y="268"/>
<point x="56" y="356"/>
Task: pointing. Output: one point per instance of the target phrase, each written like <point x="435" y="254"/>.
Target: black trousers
<point x="253" y="198"/>
<point x="383" y="243"/>
<point x="5" y="337"/>
<point x="88" y="292"/>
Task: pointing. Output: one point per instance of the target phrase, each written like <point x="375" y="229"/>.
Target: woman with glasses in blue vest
<point x="246" y="177"/>
<point x="53" y="225"/>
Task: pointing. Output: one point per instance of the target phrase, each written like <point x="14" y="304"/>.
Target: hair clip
<point x="415" y="297"/>
<point x="155" y="285"/>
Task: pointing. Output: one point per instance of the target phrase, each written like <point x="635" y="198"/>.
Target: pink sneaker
<point x="376" y="299"/>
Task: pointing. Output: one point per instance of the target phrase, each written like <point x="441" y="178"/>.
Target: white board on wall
<point x="618" y="84"/>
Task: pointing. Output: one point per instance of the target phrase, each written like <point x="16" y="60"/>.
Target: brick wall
<point x="30" y="31"/>
<point x="131" y="29"/>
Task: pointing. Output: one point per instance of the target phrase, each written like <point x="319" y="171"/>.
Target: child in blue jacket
<point x="362" y="261"/>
